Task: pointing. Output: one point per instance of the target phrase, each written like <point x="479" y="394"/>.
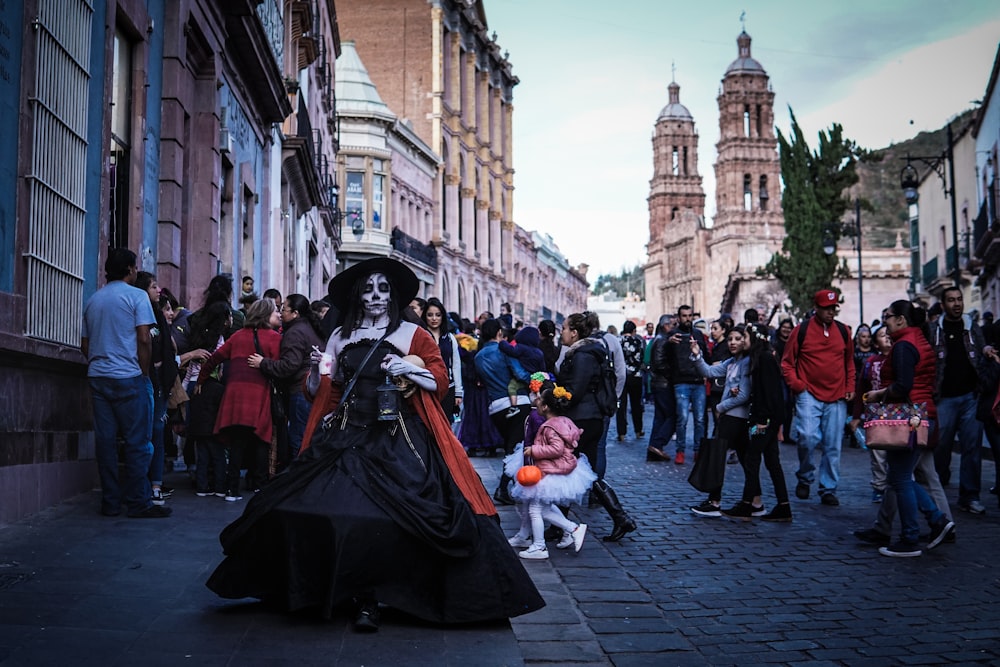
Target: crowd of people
<point x="350" y="422"/>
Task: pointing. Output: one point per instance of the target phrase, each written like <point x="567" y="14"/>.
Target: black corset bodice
<point x="363" y="402"/>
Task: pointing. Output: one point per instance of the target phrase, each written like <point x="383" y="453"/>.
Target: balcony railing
<point x="407" y="245"/>
<point x="929" y="273"/>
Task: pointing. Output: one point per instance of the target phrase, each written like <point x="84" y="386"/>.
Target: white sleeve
<point x="456" y="367"/>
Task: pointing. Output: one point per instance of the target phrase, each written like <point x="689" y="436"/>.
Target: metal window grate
<point x="57" y="177"/>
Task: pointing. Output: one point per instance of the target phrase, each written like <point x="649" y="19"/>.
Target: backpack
<point x="607" y="399"/>
<point x="840" y="326"/>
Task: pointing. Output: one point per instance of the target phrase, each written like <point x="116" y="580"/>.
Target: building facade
<point x="986" y="231"/>
<point x="206" y="161"/>
<point x="441" y="73"/>
<point x="677" y="233"/>
<point x="713" y="268"/>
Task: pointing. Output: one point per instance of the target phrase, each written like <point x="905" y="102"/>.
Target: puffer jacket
<point x="552" y="449"/>
<point x="579" y="373"/>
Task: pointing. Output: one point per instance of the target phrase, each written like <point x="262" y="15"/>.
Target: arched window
<point x="763" y="193"/>
<point x="746" y="120"/>
<point x="747" y="195"/>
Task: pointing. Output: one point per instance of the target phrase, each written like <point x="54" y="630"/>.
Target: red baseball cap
<point x="825" y="298"/>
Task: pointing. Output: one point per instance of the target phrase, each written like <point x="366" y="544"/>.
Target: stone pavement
<point x="77" y="588"/>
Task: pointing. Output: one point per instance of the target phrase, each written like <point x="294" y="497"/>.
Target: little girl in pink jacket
<point x="565" y="477"/>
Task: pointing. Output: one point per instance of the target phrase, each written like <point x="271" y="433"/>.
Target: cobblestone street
<point x="78" y="588"/>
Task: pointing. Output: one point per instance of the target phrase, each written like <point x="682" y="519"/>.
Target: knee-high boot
<point x="609" y="500"/>
<point x="502" y="495"/>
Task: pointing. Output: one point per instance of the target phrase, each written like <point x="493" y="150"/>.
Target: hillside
<point x="879" y="183"/>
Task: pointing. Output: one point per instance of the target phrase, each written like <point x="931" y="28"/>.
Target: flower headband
<point x="560" y="392"/>
<point x="537" y="380"/>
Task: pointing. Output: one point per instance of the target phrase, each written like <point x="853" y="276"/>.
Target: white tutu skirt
<point x="559" y="489"/>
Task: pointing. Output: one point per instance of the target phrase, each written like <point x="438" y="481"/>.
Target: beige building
<point x="440" y="72"/>
<point x="714" y="268"/>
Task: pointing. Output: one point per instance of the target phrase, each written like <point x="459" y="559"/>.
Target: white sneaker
<point x="566" y="540"/>
<point x="578" y="535"/>
<point x="534" y="553"/>
<point x="232" y="498"/>
<point x="157" y="497"/>
<point x="519" y="542"/>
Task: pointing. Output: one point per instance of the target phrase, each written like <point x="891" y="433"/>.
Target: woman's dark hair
<point x="166" y="296"/>
<point x="558" y="405"/>
<point x="318" y="306"/>
<point x="143" y="279"/>
<point x="422" y="303"/>
<point x="220" y="288"/>
<point x="578" y="323"/>
<point x="300" y="304"/>
<point x="547" y="328"/>
<point x="271" y="294"/>
<point x="787" y="321"/>
<point x="914" y="315"/>
<point x="356" y="311"/>
<point x="488" y="331"/>
<point x="727" y="322"/>
<point x="212" y="322"/>
<point x="435" y="302"/>
<point x="628" y="327"/>
<point x="760" y="344"/>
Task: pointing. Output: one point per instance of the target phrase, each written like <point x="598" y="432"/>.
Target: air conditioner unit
<point x="225" y="141"/>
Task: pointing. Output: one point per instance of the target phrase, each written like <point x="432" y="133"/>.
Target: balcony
<point x="408" y="246"/>
<point x="255" y="32"/>
<point x="929" y="273"/>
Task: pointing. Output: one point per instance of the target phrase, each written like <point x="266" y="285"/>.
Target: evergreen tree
<point x="814" y="200"/>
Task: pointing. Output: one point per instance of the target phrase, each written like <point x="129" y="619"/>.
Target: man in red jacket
<point x="818" y="366"/>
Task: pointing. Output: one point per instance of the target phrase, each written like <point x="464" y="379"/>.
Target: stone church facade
<point x="713" y="268"/>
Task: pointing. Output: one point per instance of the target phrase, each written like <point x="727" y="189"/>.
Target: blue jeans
<point x="664" y="417"/>
<point x="690" y="397"/>
<point x="957" y="414"/>
<point x="819" y="425"/>
<point x="124" y="406"/>
<point x="159" y="419"/>
<point x="298" y="415"/>
<point x="602" y="450"/>
<point x="910" y="496"/>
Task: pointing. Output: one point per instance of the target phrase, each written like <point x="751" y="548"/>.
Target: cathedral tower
<point x="749" y="226"/>
<point x="676" y="211"/>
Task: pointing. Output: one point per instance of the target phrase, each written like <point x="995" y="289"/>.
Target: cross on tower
<point x="743" y="20"/>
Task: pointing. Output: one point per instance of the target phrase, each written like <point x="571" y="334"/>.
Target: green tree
<point x="814" y="201"/>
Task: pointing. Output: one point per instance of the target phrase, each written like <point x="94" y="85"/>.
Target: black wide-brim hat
<point x="404" y="281"/>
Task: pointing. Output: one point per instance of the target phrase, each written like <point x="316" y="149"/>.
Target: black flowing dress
<point x="371" y="510"/>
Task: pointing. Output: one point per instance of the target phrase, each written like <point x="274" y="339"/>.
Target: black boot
<point x="609" y="499"/>
<point x="502" y="495"/>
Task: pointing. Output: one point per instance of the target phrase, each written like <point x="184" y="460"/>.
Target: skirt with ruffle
<point x="559" y="489"/>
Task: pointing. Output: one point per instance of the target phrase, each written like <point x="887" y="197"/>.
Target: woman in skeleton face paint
<point x="381" y="475"/>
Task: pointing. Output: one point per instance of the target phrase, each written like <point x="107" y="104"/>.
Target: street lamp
<point x="830" y="235"/>
<point x="909" y="181"/>
<point x="354" y="219"/>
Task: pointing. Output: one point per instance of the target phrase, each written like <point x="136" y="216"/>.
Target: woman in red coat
<point x="244" y="417"/>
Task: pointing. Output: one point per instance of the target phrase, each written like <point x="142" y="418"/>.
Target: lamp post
<point x="909" y="181"/>
<point x="353" y="218"/>
<point x="830" y="235"/>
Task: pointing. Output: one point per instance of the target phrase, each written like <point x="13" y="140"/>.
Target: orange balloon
<point x="529" y="475"/>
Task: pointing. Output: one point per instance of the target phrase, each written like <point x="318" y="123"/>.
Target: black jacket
<point x="767" y="397"/>
<point x="659" y="364"/>
<point x="579" y="374"/>
<point x="296" y="345"/>
<point x="682" y="369"/>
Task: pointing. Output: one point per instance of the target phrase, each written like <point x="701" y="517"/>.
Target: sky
<point x="594" y="75"/>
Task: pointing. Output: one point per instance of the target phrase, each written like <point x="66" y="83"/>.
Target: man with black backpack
<point x="612" y="380"/>
<point x="818" y="366"/>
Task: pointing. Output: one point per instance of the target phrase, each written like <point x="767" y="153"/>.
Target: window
<point x="686" y="173"/>
<point x="747" y="195"/>
<point x="378" y="185"/>
<point x="759" y="122"/>
<point x="121" y="132"/>
<point x="763" y="193"/>
<point x="675" y="162"/>
<point x="354" y="198"/>
<point x="746" y="120"/>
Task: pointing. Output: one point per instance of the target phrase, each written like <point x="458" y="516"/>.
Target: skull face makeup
<point x="375" y="296"/>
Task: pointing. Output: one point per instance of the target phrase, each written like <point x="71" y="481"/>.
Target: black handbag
<point x="278" y="414"/>
<point x="709" y="470"/>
